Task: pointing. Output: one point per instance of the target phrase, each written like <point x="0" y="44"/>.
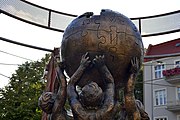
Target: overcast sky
<point x="29" y="34"/>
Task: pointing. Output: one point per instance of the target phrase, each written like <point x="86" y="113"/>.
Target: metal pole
<point x="152" y="114"/>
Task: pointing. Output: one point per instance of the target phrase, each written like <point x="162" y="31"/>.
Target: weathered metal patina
<point x="101" y="54"/>
<point x="111" y="34"/>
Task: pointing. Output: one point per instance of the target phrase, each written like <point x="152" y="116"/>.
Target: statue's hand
<point x="85" y="61"/>
<point x="98" y="61"/>
<point x="62" y="66"/>
<point x="135" y="65"/>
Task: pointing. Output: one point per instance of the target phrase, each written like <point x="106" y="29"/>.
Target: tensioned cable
<point x="157" y="64"/>
<point x="154" y="79"/>
<point x="160" y="56"/>
<point x="145" y="82"/>
<point x="4" y="75"/>
<point x="158" y="84"/>
<point x="9" y="64"/>
<point x="49" y="50"/>
<point x="16" y="55"/>
<point x="136" y="82"/>
<point x="25" y="45"/>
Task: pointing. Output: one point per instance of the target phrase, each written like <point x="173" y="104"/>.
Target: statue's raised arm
<point x="109" y="81"/>
<point x="92" y="103"/>
<point x="53" y="103"/>
<point x="131" y="108"/>
<point x="71" y="89"/>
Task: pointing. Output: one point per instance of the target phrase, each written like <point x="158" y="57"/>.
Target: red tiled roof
<point x="168" y="47"/>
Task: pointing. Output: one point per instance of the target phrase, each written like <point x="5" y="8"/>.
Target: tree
<point x="139" y="86"/>
<point x="19" y="99"/>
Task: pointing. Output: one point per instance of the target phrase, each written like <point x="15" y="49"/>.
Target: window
<point x="163" y="118"/>
<point x="178" y="93"/>
<point x="177" y="63"/>
<point x="160" y="97"/>
<point x="178" y="117"/>
<point x="159" y="70"/>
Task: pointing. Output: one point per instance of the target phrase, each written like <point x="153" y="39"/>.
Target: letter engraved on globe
<point x="109" y="33"/>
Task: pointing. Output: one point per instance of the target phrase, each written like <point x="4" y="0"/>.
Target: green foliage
<point x="139" y="86"/>
<point x="19" y="99"/>
<point x="138" y="90"/>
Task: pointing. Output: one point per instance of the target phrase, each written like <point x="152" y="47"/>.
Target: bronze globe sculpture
<point x="101" y="54"/>
<point x="110" y="34"/>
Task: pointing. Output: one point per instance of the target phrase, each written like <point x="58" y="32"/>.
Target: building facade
<point x="162" y="81"/>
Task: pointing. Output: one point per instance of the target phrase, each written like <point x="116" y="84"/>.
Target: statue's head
<point x="91" y="95"/>
<point x="46" y="101"/>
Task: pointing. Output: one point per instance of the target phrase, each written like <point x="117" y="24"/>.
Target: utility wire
<point x="25" y="45"/>
<point x="4" y="75"/>
<point x="49" y="50"/>
<point x="156" y="79"/>
<point x="163" y="55"/>
<point x="136" y="82"/>
<point x="16" y="55"/>
<point x="158" y="64"/>
<point x="157" y="84"/>
<point x="9" y="64"/>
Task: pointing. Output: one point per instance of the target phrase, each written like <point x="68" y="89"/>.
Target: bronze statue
<point x="101" y="54"/>
<point x="92" y="103"/>
<point x="122" y="113"/>
<point x="140" y="106"/>
<point x="53" y="104"/>
<point x="111" y="34"/>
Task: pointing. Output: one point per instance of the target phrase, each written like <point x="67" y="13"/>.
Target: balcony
<point x="173" y="105"/>
<point x="172" y="75"/>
